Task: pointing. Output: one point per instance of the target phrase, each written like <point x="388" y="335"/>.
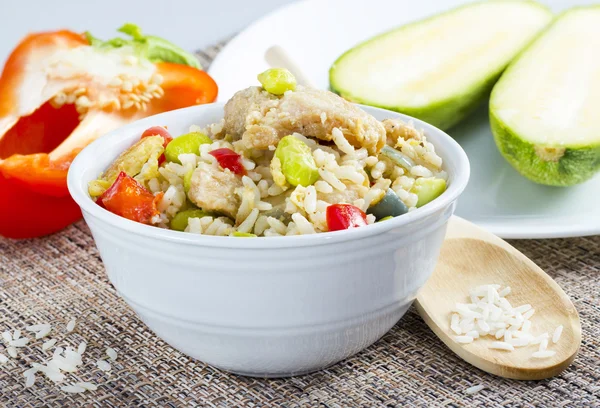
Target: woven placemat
<point x="53" y="279"/>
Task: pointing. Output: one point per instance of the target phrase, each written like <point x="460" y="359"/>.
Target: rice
<point x="72" y="389"/>
<point x="48" y="344"/>
<point x="543" y="354"/>
<point x="303" y="225"/>
<point x="557" y="333"/>
<point x="64" y="360"/>
<point x="474" y="389"/>
<point x="43" y="332"/>
<point x="71" y="325"/>
<point x="111" y="353"/>
<point x="540" y="338"/>
<point x="103" y="365"/>
<point x="463" y="339"/>
<point x="22" y="342"/>
<point x="501" y="345"/>
<point x="87" y="386"/>
<point x="491" y="314"/>
<point x="29" y="379"/>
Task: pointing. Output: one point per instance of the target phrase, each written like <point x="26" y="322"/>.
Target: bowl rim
<point x="86" y="156"/>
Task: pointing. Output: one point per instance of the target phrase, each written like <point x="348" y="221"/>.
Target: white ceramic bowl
<point x="267" y="307"/>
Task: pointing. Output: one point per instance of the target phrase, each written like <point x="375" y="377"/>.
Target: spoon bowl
<point x="471" y="257"/>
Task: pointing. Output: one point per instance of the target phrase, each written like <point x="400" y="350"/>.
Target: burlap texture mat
<point x="61" y="276"/>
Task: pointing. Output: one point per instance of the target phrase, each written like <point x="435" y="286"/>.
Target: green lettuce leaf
<point x="153" y="48"/>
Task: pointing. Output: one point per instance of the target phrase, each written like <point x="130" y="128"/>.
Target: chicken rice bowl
<point x="285" y="160"/>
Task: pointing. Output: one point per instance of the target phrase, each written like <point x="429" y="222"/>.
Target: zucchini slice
<point x="441" y="68"/>
<point x="545" y="110"/>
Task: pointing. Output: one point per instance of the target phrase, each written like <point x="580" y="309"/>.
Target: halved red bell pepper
<point x="38" y="141"/>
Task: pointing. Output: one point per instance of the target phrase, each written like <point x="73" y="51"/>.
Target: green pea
<point x="243" y="234"/>
<point x="297" y="163"/>
<point x="187" y="181"/>
<point x="277" y="81"/>
<point x="428" y="189"/>
<point x="180" y="221"/>
<point x="389" y="217"/>
<point x="188" y="143"/>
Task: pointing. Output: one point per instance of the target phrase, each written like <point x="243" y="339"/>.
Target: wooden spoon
<point x="471" y="257"/>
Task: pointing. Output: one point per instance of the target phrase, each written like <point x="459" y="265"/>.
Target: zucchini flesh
<point x="544" y="109"/>
<point x="439" y="69"/>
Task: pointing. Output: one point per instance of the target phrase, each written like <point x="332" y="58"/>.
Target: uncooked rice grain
<point x="557" y="333"/>
<point x="37" y="327"/>
<point x="103" y="365"/>
<point x="43" y="333"/>
<point x="29" y="380"/>
<point x="474" y="389"/>
<point x="22" y="342"/>
<point x="7" y="336"/>
<point x="540" y="338"/>
<point x="48" y="344"/>
<point x="71" y="325"/>
<point x="111" y="353"/>
<point x="73" y="389"/>
<point x="501" y="345"/>
<point x="543" y="354"/>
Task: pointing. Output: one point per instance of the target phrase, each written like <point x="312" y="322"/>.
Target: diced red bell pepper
<point x="345" y="216"/>
<point x="228" y="159"/>
<point x="159" y="131"/>
<point x="127" y="198"/>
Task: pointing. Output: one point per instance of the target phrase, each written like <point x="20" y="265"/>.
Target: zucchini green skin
<point x="443" y="114"/>
<point x="576" y="165"/>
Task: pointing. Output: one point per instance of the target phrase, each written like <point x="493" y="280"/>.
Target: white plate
<point x="316" y="32"/>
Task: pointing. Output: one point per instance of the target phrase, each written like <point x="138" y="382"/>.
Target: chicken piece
<point x="245" y="104"/>
<point x="261" y="119"/>
<point x="213" y="190"/>
<point x="397" y="129"/>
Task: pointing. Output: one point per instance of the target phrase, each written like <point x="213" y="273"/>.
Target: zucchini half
<point x="545" y="110"/>
<point x="441" y="68"/>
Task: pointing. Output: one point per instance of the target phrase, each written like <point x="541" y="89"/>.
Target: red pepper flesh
<point x="344" y="216"/>
<point x="228" y="159"/>
<point x="127" y="198"/>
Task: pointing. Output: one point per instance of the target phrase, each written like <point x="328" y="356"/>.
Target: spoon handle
<point x="276" y="56"/>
